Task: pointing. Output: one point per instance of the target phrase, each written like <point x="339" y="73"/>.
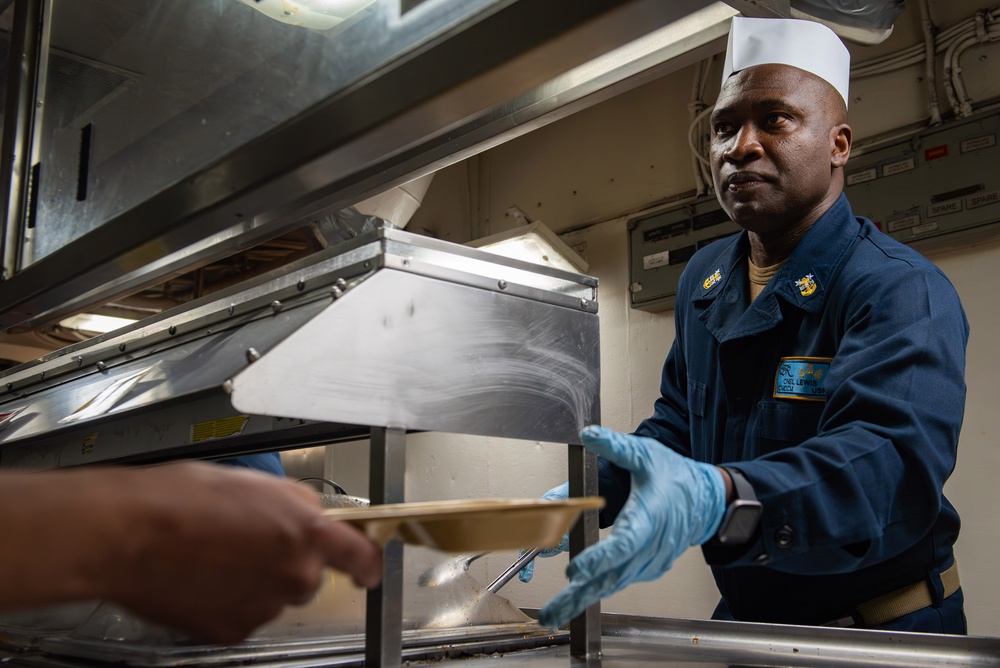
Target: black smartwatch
<point x="742" y="515"/>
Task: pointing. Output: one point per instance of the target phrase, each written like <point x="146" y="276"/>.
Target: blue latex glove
<point x="675" y="502"/>
<point x="557" y="494"/>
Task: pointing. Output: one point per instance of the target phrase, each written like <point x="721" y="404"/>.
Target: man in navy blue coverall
<point x="816" y="376"/>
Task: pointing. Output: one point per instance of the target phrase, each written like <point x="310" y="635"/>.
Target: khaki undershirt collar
<point x="759" y="277"/>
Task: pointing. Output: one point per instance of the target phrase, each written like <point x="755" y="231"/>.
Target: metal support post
<point x="585" y="630"/>
<point x="384" y="612"/>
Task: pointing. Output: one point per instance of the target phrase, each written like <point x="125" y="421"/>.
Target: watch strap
<point x="743" y="513"/>
<point x="742" y="489"/>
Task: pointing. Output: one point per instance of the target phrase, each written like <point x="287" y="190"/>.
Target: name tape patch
<point x="802" y="378"/>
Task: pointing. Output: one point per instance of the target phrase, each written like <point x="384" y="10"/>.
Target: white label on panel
<point x="976" y="143"/>
<point x="862" y="176"/>
<point x="655" y="260"/>
<point x="898" y="167"/>
<point x="923" y="229"/>
<point x="982" y="199"/>
<point x="943" y="208"/>
<point x="903" y="223"/>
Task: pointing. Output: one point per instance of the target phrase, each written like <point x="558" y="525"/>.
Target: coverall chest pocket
<point x="696" y="397"/>
<point x="782" y="424"/>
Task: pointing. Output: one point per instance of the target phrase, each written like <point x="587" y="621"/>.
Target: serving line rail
<point x="638" y="642"/>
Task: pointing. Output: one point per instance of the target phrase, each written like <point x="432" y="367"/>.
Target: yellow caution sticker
<point x="220" y="428"/>
<point x="89" y="441"/>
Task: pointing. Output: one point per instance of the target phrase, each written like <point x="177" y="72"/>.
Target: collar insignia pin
<point x="806" y="285"/>
<point x="712" y="280"/>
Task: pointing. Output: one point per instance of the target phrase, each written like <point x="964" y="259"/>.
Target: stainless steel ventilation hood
<point x="228" y="128"/>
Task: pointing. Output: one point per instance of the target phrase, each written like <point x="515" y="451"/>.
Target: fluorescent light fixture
<point x="97" y="324"/>
<point x="315" y="14"/>
<point x="536" y="243"/>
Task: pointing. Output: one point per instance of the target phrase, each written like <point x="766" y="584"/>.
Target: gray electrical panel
<point x="939" y="188"/>
<point x="660" y="245"/>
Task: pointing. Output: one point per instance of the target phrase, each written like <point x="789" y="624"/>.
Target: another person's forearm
<point x="202" y="548"/>
<point x="61" y="530"/>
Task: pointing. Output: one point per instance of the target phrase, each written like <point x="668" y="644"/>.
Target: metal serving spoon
<point x="448" y="571"/>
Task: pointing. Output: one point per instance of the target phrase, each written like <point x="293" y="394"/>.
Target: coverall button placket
<point x="783" y="536"/>
<point x="735" y="429"/>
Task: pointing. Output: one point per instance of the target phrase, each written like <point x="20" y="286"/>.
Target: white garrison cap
<point x="807" y="45"/>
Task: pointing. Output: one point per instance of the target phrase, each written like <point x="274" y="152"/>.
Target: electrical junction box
<point x="938" y="189"/>
<point x="660" y="245"/>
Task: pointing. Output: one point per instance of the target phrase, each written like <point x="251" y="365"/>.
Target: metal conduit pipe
<point x="954" y="85"/>
<point x="916" y="53"/>
<point x="983" y="35"/>
<point x="929" y="64"/>
<point x="882" y="68"/>
<point x="905" y="57"/>
<point x="963" y="103"/>
<point x="948" y="81"/>
<point x="959" y="42"/>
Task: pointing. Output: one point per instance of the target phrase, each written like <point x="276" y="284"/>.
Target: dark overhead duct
<point x="861" y="21"/>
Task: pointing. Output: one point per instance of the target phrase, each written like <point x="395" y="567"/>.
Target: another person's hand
<point x="559" y="493"/>
<point x="675" y="502"/>
<point x="217" y="552"/>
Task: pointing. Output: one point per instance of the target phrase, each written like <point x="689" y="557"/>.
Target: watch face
<point x="740" y="522"/>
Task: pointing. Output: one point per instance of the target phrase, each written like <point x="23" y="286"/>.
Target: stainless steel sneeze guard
<point x="386" y="333"/>
<point x="389" y="330"/>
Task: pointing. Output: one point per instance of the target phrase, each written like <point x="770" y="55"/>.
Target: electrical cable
<point x="691" y="130"/>
<point x="694" y="107"/>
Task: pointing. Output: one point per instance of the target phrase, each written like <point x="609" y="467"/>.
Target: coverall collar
<point x="818" y="258"/>
<point x="802" y="281"/>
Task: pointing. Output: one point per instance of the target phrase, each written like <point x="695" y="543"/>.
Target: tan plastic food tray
<point x="470" y="526"/>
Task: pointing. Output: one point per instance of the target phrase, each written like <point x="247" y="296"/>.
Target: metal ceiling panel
<point x="377" y="132"/>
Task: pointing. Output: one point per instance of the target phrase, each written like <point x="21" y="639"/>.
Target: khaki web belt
<point x="905" y="600"/>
